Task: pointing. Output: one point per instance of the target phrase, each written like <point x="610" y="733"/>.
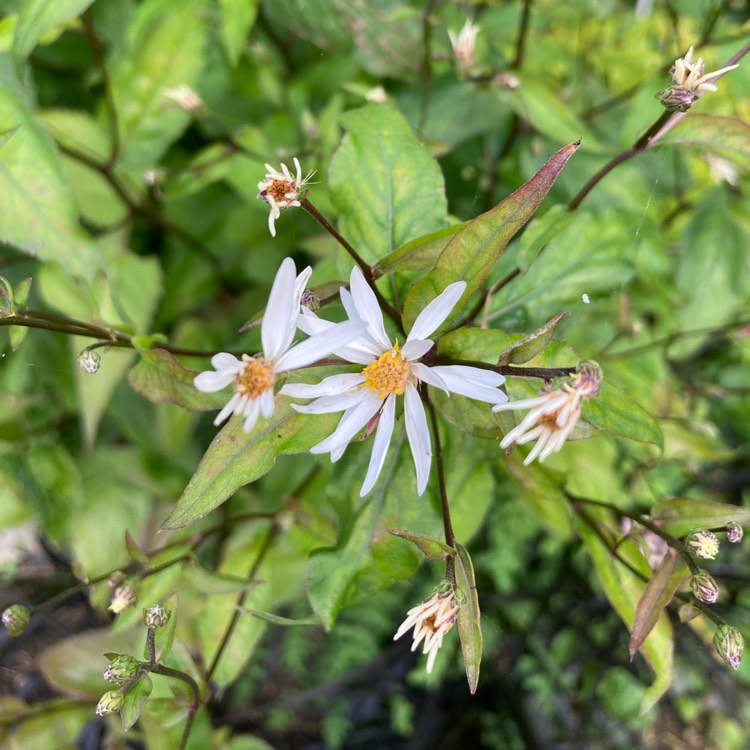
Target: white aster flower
<point x="184" y="97"/>
<point x="369" y="397"/>
<point x="553" y="415"/>
<point x="431" y="620"/>
<point x="254" y="377"/>
<point x="464" y="44"/>
<point x="281" y="190"/>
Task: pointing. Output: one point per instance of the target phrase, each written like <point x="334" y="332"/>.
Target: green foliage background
<point x="130" y="213"/>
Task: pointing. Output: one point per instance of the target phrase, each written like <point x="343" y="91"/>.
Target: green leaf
<point x="20" y="298"/>
<point x="165" y="635"/>
<point x="728" y="137"/>
<point x="236" y="458"/>
<point x="434" y="549"/>
<point x="313" y="620"/>
<point x="237" y="17"/>
<point x="472" y="253"/>
<point x="529" y="346"/>
<point x="656" y="596"/>
<point x="161" y="378"/>
<point x="540" y="231"/>
<point x="615" y="412"/>
<point x="135" y="698"/>
<point x="37" y="17"/>
<point x="400" y="194"/>
<point x="164" y="49"/>
<point x="39" y="216"/>
<point x="469" y="628"/>
<point x="420" y="253"/>
<point x="624" y="589"/>
<point x="678" y="516"/>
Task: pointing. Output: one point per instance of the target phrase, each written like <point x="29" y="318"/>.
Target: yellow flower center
<point x="278" y="190"/>
<point x="257" y="377"/>
<point x="388" y="374"/>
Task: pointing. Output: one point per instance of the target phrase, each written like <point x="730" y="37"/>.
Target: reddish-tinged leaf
<point x="472" y="253"/>
<point x="656" y="596"/>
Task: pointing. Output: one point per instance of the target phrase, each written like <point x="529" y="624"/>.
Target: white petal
<point x="310" y="323"/>
<point x="419" y="436"/>
<point x="266" y="402"/>
<point x="331" y="386"/>
<point x="455" y="377"/>
<point x="252" y="411"/>
<point x="210" y="382"/>
<point x="224" y="360"/>
<point x="320" y="345"/>
<point x="380" y="444"/>
<point x="301" y="282"/>
<point x="328" y="404"/>
<point x="351" y="423"/>
<point x="280" y="318"/>
<point x="429" y="376"/>
<point x="475" y="374"/>
<point x="368" y="308"/>
<point x="416" y="348"/>
<point x="437" y="311"/>
<point x="526" y="403"/>
<point x="228" y="409"/>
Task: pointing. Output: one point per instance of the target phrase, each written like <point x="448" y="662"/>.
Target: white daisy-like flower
<point x="553" y="414"/>
<point x="184" y="97"/>
<point x="369" y="396"/>
<point x="254" y="377"/>
<point x="688" y="74"/>
<point x="464" y="44"/>
<point x="281" y="190"/>
<point x="431" y="620"/>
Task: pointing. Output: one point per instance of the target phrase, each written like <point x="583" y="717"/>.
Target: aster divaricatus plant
<point x="689" y="81"/>
<point x="553" y="414"/>
<point x="253" y="378"/>
<point x="431" y="620"/>
<point x="281" y="190"/>
<point x="370" y="396"/>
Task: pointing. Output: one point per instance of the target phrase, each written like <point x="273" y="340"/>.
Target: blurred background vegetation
<point x="128" y="210"/>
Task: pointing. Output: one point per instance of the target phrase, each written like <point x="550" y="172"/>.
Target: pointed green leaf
<point x="236" y="458"/>
<point x="469" y="628"/>
<point x="529" y="346"/>
<point x="401" y="195"/>
<point x="37" y="17"/>
<point x="540" y="232"/>
<point x="135" y="699"/>
<point x="237" y="18"/>
<point x="313" y="620"/>
<point x="472" y="253"/>
<point x="418" y="254"/>
<point x="656" y="596"/>
<point x="677" y="516"/>
<point x="434" y="549"/>
<point x="162" y="378"/>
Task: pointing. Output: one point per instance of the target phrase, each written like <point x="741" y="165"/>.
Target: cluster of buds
<point x="16" y="619"/>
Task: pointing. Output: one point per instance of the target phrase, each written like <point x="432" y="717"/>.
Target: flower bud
<point x="703" y="544"/>
<point x="729" y="644"/>
<point x="310" y="300"/>
<point x="125" y="596"/>
<point x="704" y="588"/>
<point x="16" y="619"/>
<point x="115" y="579"/>
<point x="677" y="98"/>
<point x="156" y="616"/>
<point x="122" y="670"/>
<point x="89" y="360"/>
<point x="734" y="532"/>
<point x="110" y="702"/>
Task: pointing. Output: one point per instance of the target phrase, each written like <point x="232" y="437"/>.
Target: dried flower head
<point x="703" y="544"/>
<point x="729" y="644"/>
<point x="431" y="620"/>
<point x="282" y="190"/>
<point x="553" y="414"/>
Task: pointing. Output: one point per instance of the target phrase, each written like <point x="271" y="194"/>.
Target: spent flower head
<point x="729" y="644"/>
<point x="689" y="81"/>
<point x="368" y="398"/>
<point x="703" y="543"/>
<point x="431" y="620"/>
<point x="553" y="414"/>
<point x="282" y="190"/>
<point x="253" y="378"/>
